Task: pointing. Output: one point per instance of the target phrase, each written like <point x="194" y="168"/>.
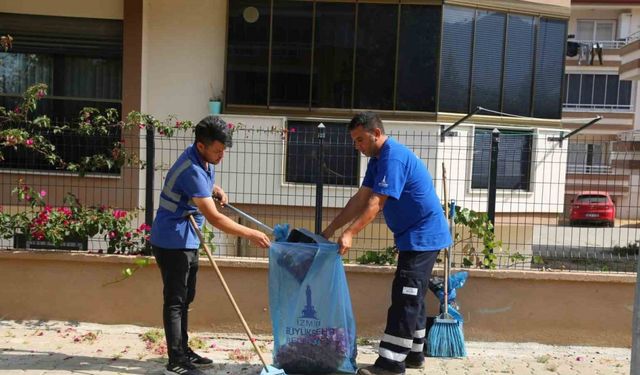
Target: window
<point x="499" y="61"/>
<point x="514" y="159"/>
<point x="417" y="59"/>
<point x="600" y="30"/>
<point x="455" y="59"/>
<point x="486" y="86"/>
<point x="551" y="42"/>
<point x="248" y="51"/>
<point x="518" y="69"/>
<point x="83" y="71"/>
<point x="341" y="159"/>
<point x="587" y="158"/>
<point x="375" y="56"/>
<point x="291" y="53"/>
<point x="332" y="55"/>
<point x="597" y="91"/>
<point x="335" y="32"/>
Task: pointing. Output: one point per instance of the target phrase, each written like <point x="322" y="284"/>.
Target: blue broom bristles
<point x="446" y="339"/>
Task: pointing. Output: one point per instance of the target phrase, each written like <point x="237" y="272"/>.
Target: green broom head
<point x="446" y="338"/>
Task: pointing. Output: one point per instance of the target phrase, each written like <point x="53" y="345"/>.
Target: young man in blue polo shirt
<point x="188" y="190"/>
<point x="398" y="184"/>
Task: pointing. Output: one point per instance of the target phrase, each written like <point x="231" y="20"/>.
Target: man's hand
<point x="259" y="239"/>
<point x="344" y="242"/>
<point x="220" y="195"/>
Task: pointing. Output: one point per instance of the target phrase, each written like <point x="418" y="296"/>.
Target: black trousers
<point x="178" y="269"/>
<point x="404" y="335"/>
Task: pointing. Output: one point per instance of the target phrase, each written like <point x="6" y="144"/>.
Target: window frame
<point x="572" y="107"/>
<point x="531" y="132"/>
<point x="327" y="122"/>
<point x="595" y="22"/>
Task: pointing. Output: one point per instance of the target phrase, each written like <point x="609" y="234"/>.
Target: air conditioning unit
<point x="624" y="25"/>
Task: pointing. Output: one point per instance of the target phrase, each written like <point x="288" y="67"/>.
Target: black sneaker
<point x="182" y="369"/>
<point x="198" y="360"/>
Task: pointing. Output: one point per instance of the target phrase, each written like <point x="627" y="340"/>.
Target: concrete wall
<point x="183" y="56"/>
<point x="554" y="308"/>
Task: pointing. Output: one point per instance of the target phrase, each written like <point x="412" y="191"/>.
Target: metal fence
<point x="526" y="180"/>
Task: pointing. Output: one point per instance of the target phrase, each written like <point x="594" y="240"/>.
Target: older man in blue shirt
<point x="398" y="184"/>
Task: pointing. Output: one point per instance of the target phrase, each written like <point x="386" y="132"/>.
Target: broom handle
<point x="226" y="289"/>
<point x="446" y="251"/>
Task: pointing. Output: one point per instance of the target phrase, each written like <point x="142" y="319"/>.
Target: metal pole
<point x="635" y="347"/>
<point x="319" y="177"/>
<point x="493" y="176"/>
<point x="149" y="204"/>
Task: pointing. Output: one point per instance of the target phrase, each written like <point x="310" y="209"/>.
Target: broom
<point x="445" y="336"/>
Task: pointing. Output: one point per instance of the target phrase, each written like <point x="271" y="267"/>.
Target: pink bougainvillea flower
<point x="178" y="124"/>
<point x="292" y="130"/>
<point x="230" y="125"/>
<point x="119" y="214"/>
<point x="112" y="234"/>
<point x="140" y="125"/>
<point x="43" y="193"/>
<point x="40" y="94"/>
<point x="29" y="142"/>
<point x="127" y="234"/>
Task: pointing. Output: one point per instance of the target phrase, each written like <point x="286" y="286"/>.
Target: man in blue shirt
<point x="188" y="190"/>
<point x="398" y="184"/>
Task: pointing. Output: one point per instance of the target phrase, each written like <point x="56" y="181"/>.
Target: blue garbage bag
<point x="313" y="325"/>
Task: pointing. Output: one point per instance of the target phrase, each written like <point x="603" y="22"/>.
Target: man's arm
<point x="208" y="208"/>
<point x="354" y="207"/>
<point x="374" y="205"/>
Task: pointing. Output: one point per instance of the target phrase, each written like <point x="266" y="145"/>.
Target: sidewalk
<point x="62" y="348"/>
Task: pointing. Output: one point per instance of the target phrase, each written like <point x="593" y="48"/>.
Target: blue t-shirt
<point x="186" y="179"/>
<point x="412" y="211"/>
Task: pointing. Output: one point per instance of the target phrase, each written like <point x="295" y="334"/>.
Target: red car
<point x="593" y="207"/>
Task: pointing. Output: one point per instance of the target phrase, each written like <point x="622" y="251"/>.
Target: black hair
<point x="213" y="128"/>
<point x="368" y="120"/>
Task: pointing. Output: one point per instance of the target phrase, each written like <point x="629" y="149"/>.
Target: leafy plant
<point x="480" y="231"/>
<point x="43" y="222"/>
<point x="387" y="256"/>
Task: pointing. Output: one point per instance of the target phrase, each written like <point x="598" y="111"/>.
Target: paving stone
<point x="67" y="348"/>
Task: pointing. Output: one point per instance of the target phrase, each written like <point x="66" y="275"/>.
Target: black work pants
<point x="178" y="268"/>
<point x="404" y="335"/>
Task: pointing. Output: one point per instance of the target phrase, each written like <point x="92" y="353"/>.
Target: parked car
<point x="593" y="207"/>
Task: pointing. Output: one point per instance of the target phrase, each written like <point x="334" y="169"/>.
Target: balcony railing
<point x="606" y="44"/>
<point x="588" y="169"/>
<point x="597" y="107"/>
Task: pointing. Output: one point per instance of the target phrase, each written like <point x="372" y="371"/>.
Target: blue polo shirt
<point x="186" y="179"/>
<point x="412" y="211"/>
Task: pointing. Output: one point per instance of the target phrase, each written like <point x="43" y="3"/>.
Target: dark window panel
<point x="586" y="91"/>
<point x="340" y="157"/>
<point x="291" y="53"/>
<point x="624" y="98"/>
<point x="612" y="90"/>
<point x="375" y="56"/>
<point x="574" y="89"/>
<point x="514" y="160"/>
<point x="455" y="63"/>
<point x="551" y="40"/>
<point x="487" y="60"/>
<point x="599" y="88"/>
<point x="333" y="55"/>
<point x="417" y="59"/>
<point x="248" y="52"/>
<point x="518" y="69"/>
